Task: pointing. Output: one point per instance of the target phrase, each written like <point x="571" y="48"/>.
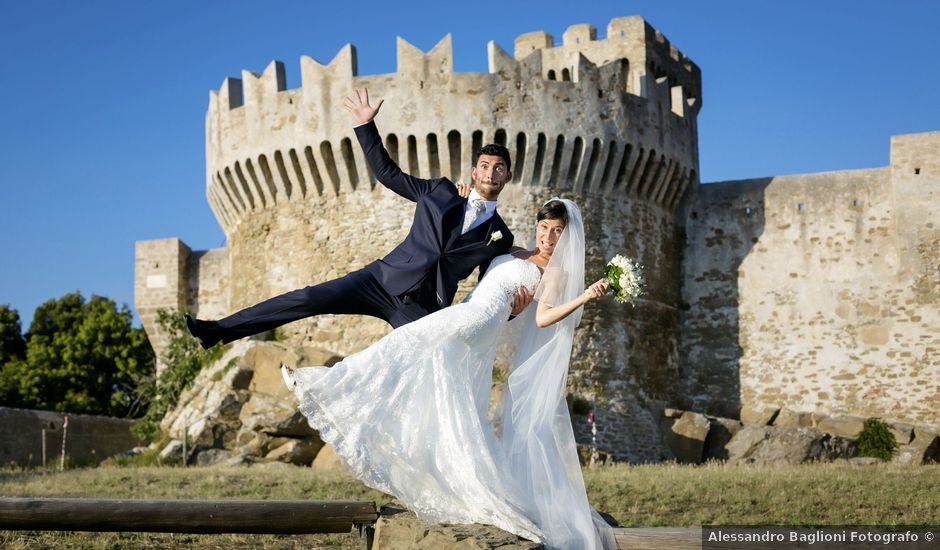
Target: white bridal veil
<point x="536" y="428"/>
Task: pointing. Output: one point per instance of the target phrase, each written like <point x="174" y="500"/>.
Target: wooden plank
<point x="656" y="538"/>
<point x="185" y="516"/>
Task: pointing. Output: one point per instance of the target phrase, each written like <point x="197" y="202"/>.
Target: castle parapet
<point x="586" y="115"/>
<point x="653" y="63"/>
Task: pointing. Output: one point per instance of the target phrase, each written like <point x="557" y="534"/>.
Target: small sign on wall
<point x="156" y="281"/>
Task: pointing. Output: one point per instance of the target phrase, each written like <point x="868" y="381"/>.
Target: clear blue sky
<point x="102" y="104"/>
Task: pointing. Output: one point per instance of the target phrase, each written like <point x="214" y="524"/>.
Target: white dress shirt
<point x="468" y="210"/>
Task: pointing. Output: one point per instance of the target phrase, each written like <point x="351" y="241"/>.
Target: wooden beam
<point x="185" y="516"/>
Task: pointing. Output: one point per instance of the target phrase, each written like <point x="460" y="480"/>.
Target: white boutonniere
<point x="495" y="236"/>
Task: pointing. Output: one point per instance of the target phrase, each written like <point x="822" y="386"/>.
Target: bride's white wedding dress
<point x="408" y="413"/>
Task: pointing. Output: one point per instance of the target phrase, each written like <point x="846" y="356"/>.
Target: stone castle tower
<point x="610" y="123"/>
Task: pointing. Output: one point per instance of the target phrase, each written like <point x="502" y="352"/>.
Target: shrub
<point x="877" y="440"/>
<point x="183" y="358"/>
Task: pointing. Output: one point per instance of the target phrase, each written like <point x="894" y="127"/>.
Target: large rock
<point x="719" y="435"/>
<point x="686" y="437"/>
<point x="210" y="457"/>
<point x="793" y="419"/>
<point x="745" y="441"/>
<point x="208" y="411"/>
<point x="903" y="433"/>
<point x="843" y="426"/>
<point x="240" y="404"/>
<point x="327" y="459"/>
<point x="398" y="529"/>
<point x="828" y="448"/>
<point x="772" y="445"/>
<point x="923" y="448"/>
<point x="758" y="414"/>
<point x="172" y="452"/>
<point x="299" y="452"/>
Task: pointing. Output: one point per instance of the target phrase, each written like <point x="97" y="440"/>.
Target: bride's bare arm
<point x="547" y="315"/>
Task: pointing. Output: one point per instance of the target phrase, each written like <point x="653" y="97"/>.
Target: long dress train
<point x="408" y="414"/>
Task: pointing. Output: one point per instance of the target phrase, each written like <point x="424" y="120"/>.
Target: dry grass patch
<point x="812" y="494"/>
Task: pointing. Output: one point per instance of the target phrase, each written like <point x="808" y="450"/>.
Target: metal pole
<point x="65" y="431"/>
<point x="185" y="437"/>
<point x="43" y="448"/>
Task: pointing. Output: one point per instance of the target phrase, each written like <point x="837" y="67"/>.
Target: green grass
<point x="648" y="496"/>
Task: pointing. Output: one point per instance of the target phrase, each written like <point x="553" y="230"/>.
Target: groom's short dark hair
<point x="496" y="150"/>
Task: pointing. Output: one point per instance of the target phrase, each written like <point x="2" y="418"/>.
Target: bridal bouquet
<point x="625" y="277"/>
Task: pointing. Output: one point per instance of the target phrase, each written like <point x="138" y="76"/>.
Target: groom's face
<point x="489" y="176"/>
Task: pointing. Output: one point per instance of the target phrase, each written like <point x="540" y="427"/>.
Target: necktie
<point x="477" y="209"/>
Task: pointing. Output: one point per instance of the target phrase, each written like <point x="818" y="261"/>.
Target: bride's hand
<point x="596" y="290"/>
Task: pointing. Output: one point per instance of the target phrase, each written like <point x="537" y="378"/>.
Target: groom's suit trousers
<point x="357" y="293"/>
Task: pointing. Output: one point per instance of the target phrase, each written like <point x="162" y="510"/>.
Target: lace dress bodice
<point x="506" y="274"/>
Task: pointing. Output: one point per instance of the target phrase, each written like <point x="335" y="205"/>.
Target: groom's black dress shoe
<point x="206" y="331"/>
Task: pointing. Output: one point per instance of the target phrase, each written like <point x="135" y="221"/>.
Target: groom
<point x="449" y="237"/>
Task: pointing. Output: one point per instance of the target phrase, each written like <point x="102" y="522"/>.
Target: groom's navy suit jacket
<point x="434" y="256"/>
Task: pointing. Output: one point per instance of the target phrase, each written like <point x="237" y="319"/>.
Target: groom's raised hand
<point x="358" y="106"/>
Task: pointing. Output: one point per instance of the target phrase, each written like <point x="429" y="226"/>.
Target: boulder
<point x="903" y="433"/>
<point x="758" y="414"/>
<point x="173" y="451"/>
<point x="771" y="445"/>
<point x="210" y="457"/>
<point x="669" y="412"/>
<point x="240" y="405"/>
<point x="273" y="416"/>
<point x="327" y="459"/>
<point x="828" y="448"/>
<point x="745" y="441"/>
<point x="208" y="411"/>
<point x="300" y="452"/>
<point x="398" y="529"/>
<point x="792" y="419"/>
<point x="686" y="437"/>
<point x="719" y="435"/>
<point x="844" y="425"/>
<point x="923" y="448"/>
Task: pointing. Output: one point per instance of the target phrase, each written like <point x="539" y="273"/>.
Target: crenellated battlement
<point x="584" y="116"/>
<point x="650" y="59"/>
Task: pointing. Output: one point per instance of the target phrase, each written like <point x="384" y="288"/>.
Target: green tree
<point x="12" y="344"/>
<point x="81" y="356"/>
<point x="12" y="351"/>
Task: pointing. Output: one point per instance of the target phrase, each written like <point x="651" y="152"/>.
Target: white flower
<point x="495" y="236"/>
<point x="625" y="278"/>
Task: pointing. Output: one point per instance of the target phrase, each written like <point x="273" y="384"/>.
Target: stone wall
<point x="817" y="292"/>
<point x="90" y="439"/>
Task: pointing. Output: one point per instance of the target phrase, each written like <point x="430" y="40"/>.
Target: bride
<point x="408" y="414"/>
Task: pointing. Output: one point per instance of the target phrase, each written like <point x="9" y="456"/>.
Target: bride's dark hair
<point x="553" y="210"/>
